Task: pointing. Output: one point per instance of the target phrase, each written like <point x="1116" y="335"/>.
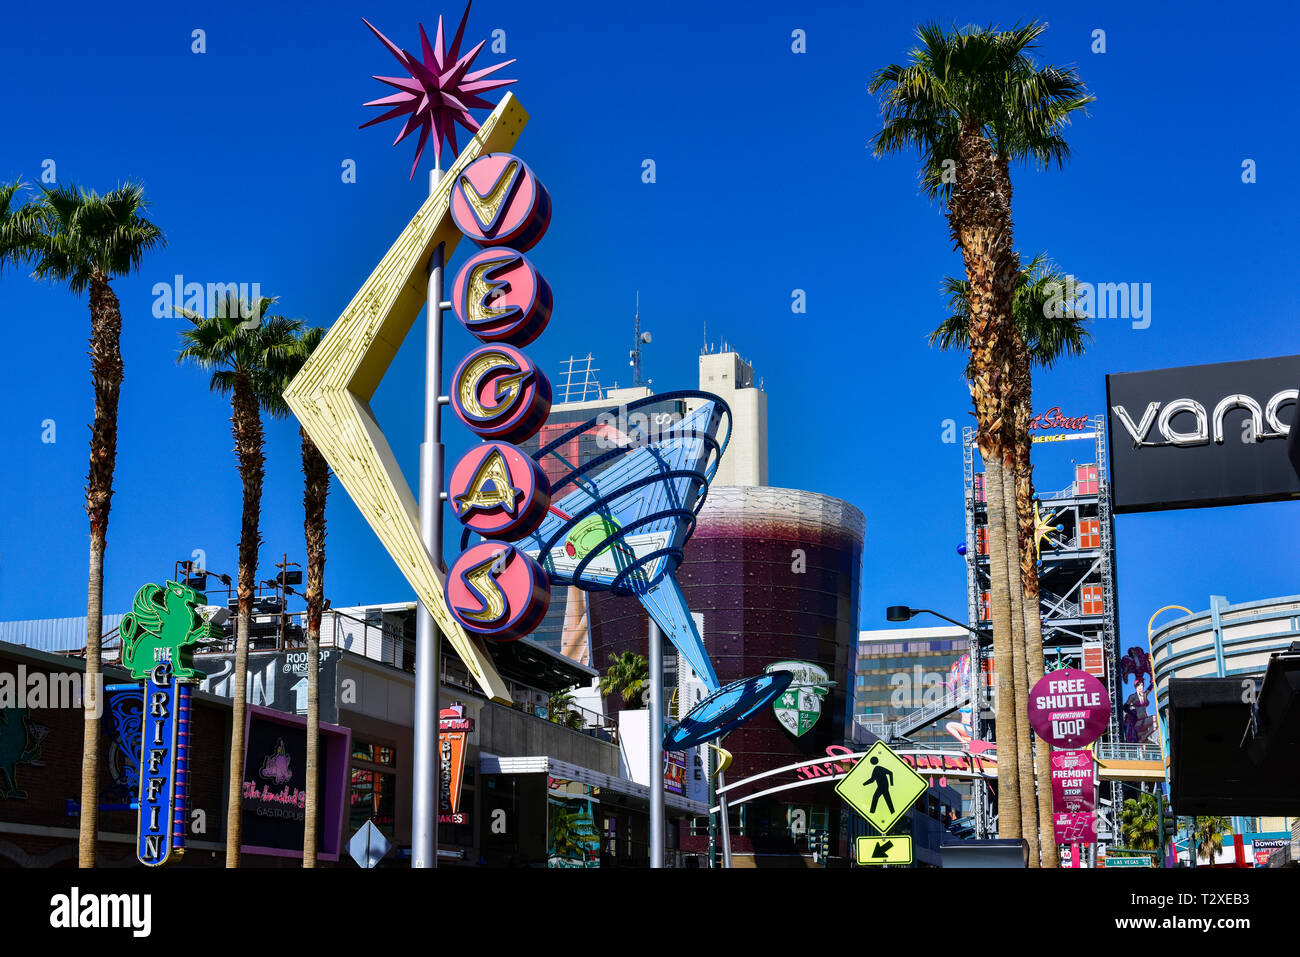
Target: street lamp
<point x="904" y="613"/>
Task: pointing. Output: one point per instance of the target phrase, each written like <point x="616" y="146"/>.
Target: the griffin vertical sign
<point x="1203" y="435"/>
<point x="164" y="766"/>
<point x="158" y="636"/>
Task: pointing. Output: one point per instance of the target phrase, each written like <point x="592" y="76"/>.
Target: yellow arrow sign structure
<point x="331" y="394"/>
<point x="890" y="849"/>
<point x="881" y="787"/>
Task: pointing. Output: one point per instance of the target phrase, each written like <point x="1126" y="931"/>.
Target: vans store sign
<point x="1203" y="435"/>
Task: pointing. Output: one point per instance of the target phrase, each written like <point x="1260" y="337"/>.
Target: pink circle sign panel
<point x="497" y="200"/>
<point x="1069" y="708"/>
<point x="498" y="491"/>
<point x="499" y="296"/>
<point x="497" y="591"/>
<point x="499" y="393"/>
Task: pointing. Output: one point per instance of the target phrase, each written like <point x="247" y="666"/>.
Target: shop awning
<point x="544" y="764"/>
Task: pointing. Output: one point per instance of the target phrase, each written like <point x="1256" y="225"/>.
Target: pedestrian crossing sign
<point x="882" y="787"/>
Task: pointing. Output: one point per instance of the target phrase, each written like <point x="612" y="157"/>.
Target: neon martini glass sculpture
<point x="618" y="522"/>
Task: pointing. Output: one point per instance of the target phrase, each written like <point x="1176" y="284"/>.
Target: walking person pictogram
<point x="883" y="779"/>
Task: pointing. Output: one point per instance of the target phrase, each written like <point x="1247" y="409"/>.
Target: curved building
<point x="1227" y="640"/>
<point x="772" y="575"/>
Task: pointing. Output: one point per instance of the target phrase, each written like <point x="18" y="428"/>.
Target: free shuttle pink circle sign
<point x="1069" y="708"/>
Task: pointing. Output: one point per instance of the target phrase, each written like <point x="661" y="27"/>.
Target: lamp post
<point x="906" y="613"/>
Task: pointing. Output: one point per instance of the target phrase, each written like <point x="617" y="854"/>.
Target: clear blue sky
<point x="764" y="185"/>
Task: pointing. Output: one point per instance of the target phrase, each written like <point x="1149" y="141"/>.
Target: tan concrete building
<point x="730" y="377"/>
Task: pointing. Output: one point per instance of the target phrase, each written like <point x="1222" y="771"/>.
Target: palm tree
<point x="628" y="676"/>
<point x="316" y="488"/>
<point x="1049" y="327"/>
<point x="971" y="102"/>
<point x="84" y="240"/>
<point x="245" y="359"/>
<point x="15" y="225"/>
<point x="1140" y="823"/>
<point x="560" y="710"/>
<point x="1208" y="834"/>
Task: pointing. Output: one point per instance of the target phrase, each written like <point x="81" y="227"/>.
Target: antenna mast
<point x="639" y="339"/>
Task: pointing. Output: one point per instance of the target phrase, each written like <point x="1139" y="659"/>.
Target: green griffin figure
<point x="164" y="625"/>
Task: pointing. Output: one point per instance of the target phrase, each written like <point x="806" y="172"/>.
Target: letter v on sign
<point x="331" y="394"/>
<point x="489" y="207"/>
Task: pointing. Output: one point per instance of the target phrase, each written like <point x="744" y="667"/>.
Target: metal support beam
<point x="656" y="745"/>
<point x="424" y="800"/>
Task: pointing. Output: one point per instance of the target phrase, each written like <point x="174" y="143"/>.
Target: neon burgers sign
<point x="1174" y="427"/>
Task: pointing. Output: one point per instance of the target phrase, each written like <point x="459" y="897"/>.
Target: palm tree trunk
<point x="316" y="486"/>
<point x="1028" y="575"/>
<point x="106" y="369"/>
<point x="246" y="426"/>
<point x="1024" y="735"/>
<point x="979" y="214"/>
<point x="1009" y="804"/>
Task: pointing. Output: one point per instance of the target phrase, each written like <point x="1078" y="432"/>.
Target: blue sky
<point x="764" y="186"/>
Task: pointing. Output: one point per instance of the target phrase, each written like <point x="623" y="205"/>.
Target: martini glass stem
<point x="656" y="745"/>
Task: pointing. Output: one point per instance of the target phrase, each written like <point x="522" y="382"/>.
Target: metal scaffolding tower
<point x="1077" y="589"/>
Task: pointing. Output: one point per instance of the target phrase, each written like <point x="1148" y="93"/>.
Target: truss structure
<point x="1078" y="600"/>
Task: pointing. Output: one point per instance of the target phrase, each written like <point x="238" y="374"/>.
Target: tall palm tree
<point x="85" y="240"/>
<point x="1140" y="823"/>
<point x="971" y="102"/>
<point x="315" y="491"/>
<point x="244" y="358"/>
<point x="628" y="676"/>
<point x="1049" y="327"/>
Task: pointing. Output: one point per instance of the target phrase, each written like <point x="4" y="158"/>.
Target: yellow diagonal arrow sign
<point x="890" y="849"/>
<point x="331" y="394"/>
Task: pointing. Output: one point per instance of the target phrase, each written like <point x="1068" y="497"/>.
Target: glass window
<point x="373" y="796"/>
<point x="374" y="753"/>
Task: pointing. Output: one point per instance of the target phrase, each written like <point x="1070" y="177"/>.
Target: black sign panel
<point x="1203" y="435"/>
<point x="276" y="679"/>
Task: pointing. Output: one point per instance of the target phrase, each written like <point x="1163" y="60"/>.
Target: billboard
<point x="276" y="680"/>
<point x="1204" y="435"/>
<point x="275" y="784"/>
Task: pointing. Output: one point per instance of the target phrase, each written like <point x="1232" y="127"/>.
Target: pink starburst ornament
<point x="438" y="92"/>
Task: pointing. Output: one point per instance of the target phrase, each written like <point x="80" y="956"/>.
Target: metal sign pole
<point x="424" y="798"/>
<point x="726" y="821"/>
<point x="656" y="745"/>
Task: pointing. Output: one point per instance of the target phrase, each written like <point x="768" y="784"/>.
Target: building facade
<point x="771" y="576"/>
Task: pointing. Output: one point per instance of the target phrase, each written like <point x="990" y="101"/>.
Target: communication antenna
<point x="639" y="339"/>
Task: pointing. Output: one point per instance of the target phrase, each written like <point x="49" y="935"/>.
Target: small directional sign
<point x="890" y="849"/>
<point x="368" y="846"/>
<point x="881" y="787"/>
